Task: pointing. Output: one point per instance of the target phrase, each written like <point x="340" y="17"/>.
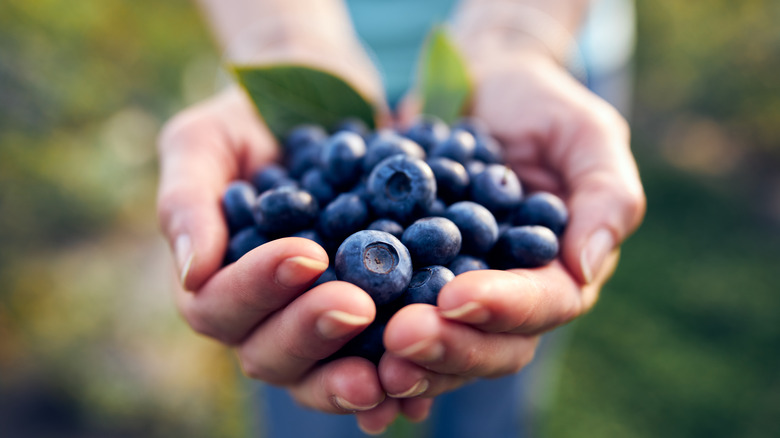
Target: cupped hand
<point x="561" y="138"/>
<point x="256" y="304"/>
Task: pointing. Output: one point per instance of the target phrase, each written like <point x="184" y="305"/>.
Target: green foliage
<point x="445" y="85"/>
<point x="290" y="95"/>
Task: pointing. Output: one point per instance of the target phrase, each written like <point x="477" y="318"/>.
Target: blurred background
<point x="684" y="342"/>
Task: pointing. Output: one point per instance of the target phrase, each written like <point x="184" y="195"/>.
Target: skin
<point x="559" y="137"/>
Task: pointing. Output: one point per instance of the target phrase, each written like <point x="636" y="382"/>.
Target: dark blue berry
<point x="342" y="158"/>
<point x="345" y="215"/>
<point x="388" y="226"/>
<point x="438" y="208"/>
<point x="367" y="344"/>
<point x="352" y="124"/>
<point x="285" y="210"/>
<point x="459" y="146"/>
<point x="237" y="204"/>
<point x="243" y="242"/>
<point x="328" y="275"/>
<point x="544" y="209"/>
<point x="426" y="283"/>
<point x="268" y="177"/>
<point x="432" y="241"/>
<point x="376" y="262"/>
<point x="303" y="136"/>
<point x="488" y="150"/>
<point x="452" y="179"/>
<point x="465" y="263"/>
<point x="474" y="168"/>
<point x="472" y="125"/>
<point x="498" y="189"/>
<point x="314" y="182"/>
<point x="427" y="131"/>
<point x="312" y="235"/>
<point x="303" y="159"/>
<point x="477" y="226"/>
<point x="401" y="188"/>
<point x="387" y="145"/>
<point x="527" y="246"/>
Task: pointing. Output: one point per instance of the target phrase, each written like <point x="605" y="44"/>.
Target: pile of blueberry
<point x="400" y="214"/>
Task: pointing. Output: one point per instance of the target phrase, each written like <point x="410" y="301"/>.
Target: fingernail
<point x="368" y="431"/>
<point x="599" y="245"/>
<point x="416" y="389"/>
<point x="298" y="271"/>
<point x="347" y="406"/>
<point x="334" y="324"/>
<point x="427" y="350"/>
<point x="471" y="312"/>
<point x="182" y="249"/>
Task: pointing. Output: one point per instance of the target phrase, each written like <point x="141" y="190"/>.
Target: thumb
<point x="606" y="199"/>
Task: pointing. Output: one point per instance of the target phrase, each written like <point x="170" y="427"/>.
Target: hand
<point x="256" y="304"/>
<point x="561" y="138"/>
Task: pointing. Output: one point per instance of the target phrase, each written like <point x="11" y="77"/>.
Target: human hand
<point x="256" y="304"/>
<point x="561" y="138"/>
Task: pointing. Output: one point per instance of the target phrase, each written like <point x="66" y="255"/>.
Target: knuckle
<point x="258" y="369"/>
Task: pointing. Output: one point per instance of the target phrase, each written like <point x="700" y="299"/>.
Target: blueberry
<point x="303" y="159"/>
<point x="401" y="188"/>
<point x="303" y="136"/>
<point x="527" y="246"/>
<point x="452" y="179"/>
<point x="474" y="168"/>
<point x="388" y="226"/>
<point x="268" y="177"/>
<point x="497" y="188"/>
<point x="488" y="150"/>
<point x="237" y="203"/>
<point x="367" y="344"/>
<point x="472" y="125"/>
<point x="459" y="146"/>
<point x="426" y="284"/>
<point x="477" y="226"/>
<point x="544" y="209"/>
<point x="427" y="131"/>
<point x="438" y="208"/>
<point x="352" y="124"/>
<point x="328" y="275"/>
<point x="376" y="262"/>
<point x="342" y="158"/>
<point x="432" y="241"/>
<point x="243" y="242"/>
<point x="314" y="182"/>
<point x="387" y="145"/>
<point x="285" y="210"/>
<point x="465" y="263"/>
<point x="345" y="215"/>
<point x="312" y="235"/>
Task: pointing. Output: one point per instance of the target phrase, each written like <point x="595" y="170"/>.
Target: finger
<point x="416" y="409"/>
<point x="200" y="151"/>
<point x="522" y="301"/>
<point x="404" y="379"/>
<point x="606" y="199"/>
<point x="419" y="334"/>
<point x="311" y="328"/>
<point x="344" y="386"/>
<point x="376" y="421"/>
<point x="244" y="293"/>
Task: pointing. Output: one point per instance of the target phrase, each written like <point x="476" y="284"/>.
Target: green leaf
<point x="444" y="81"/>
<point x="289" y="95"/>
